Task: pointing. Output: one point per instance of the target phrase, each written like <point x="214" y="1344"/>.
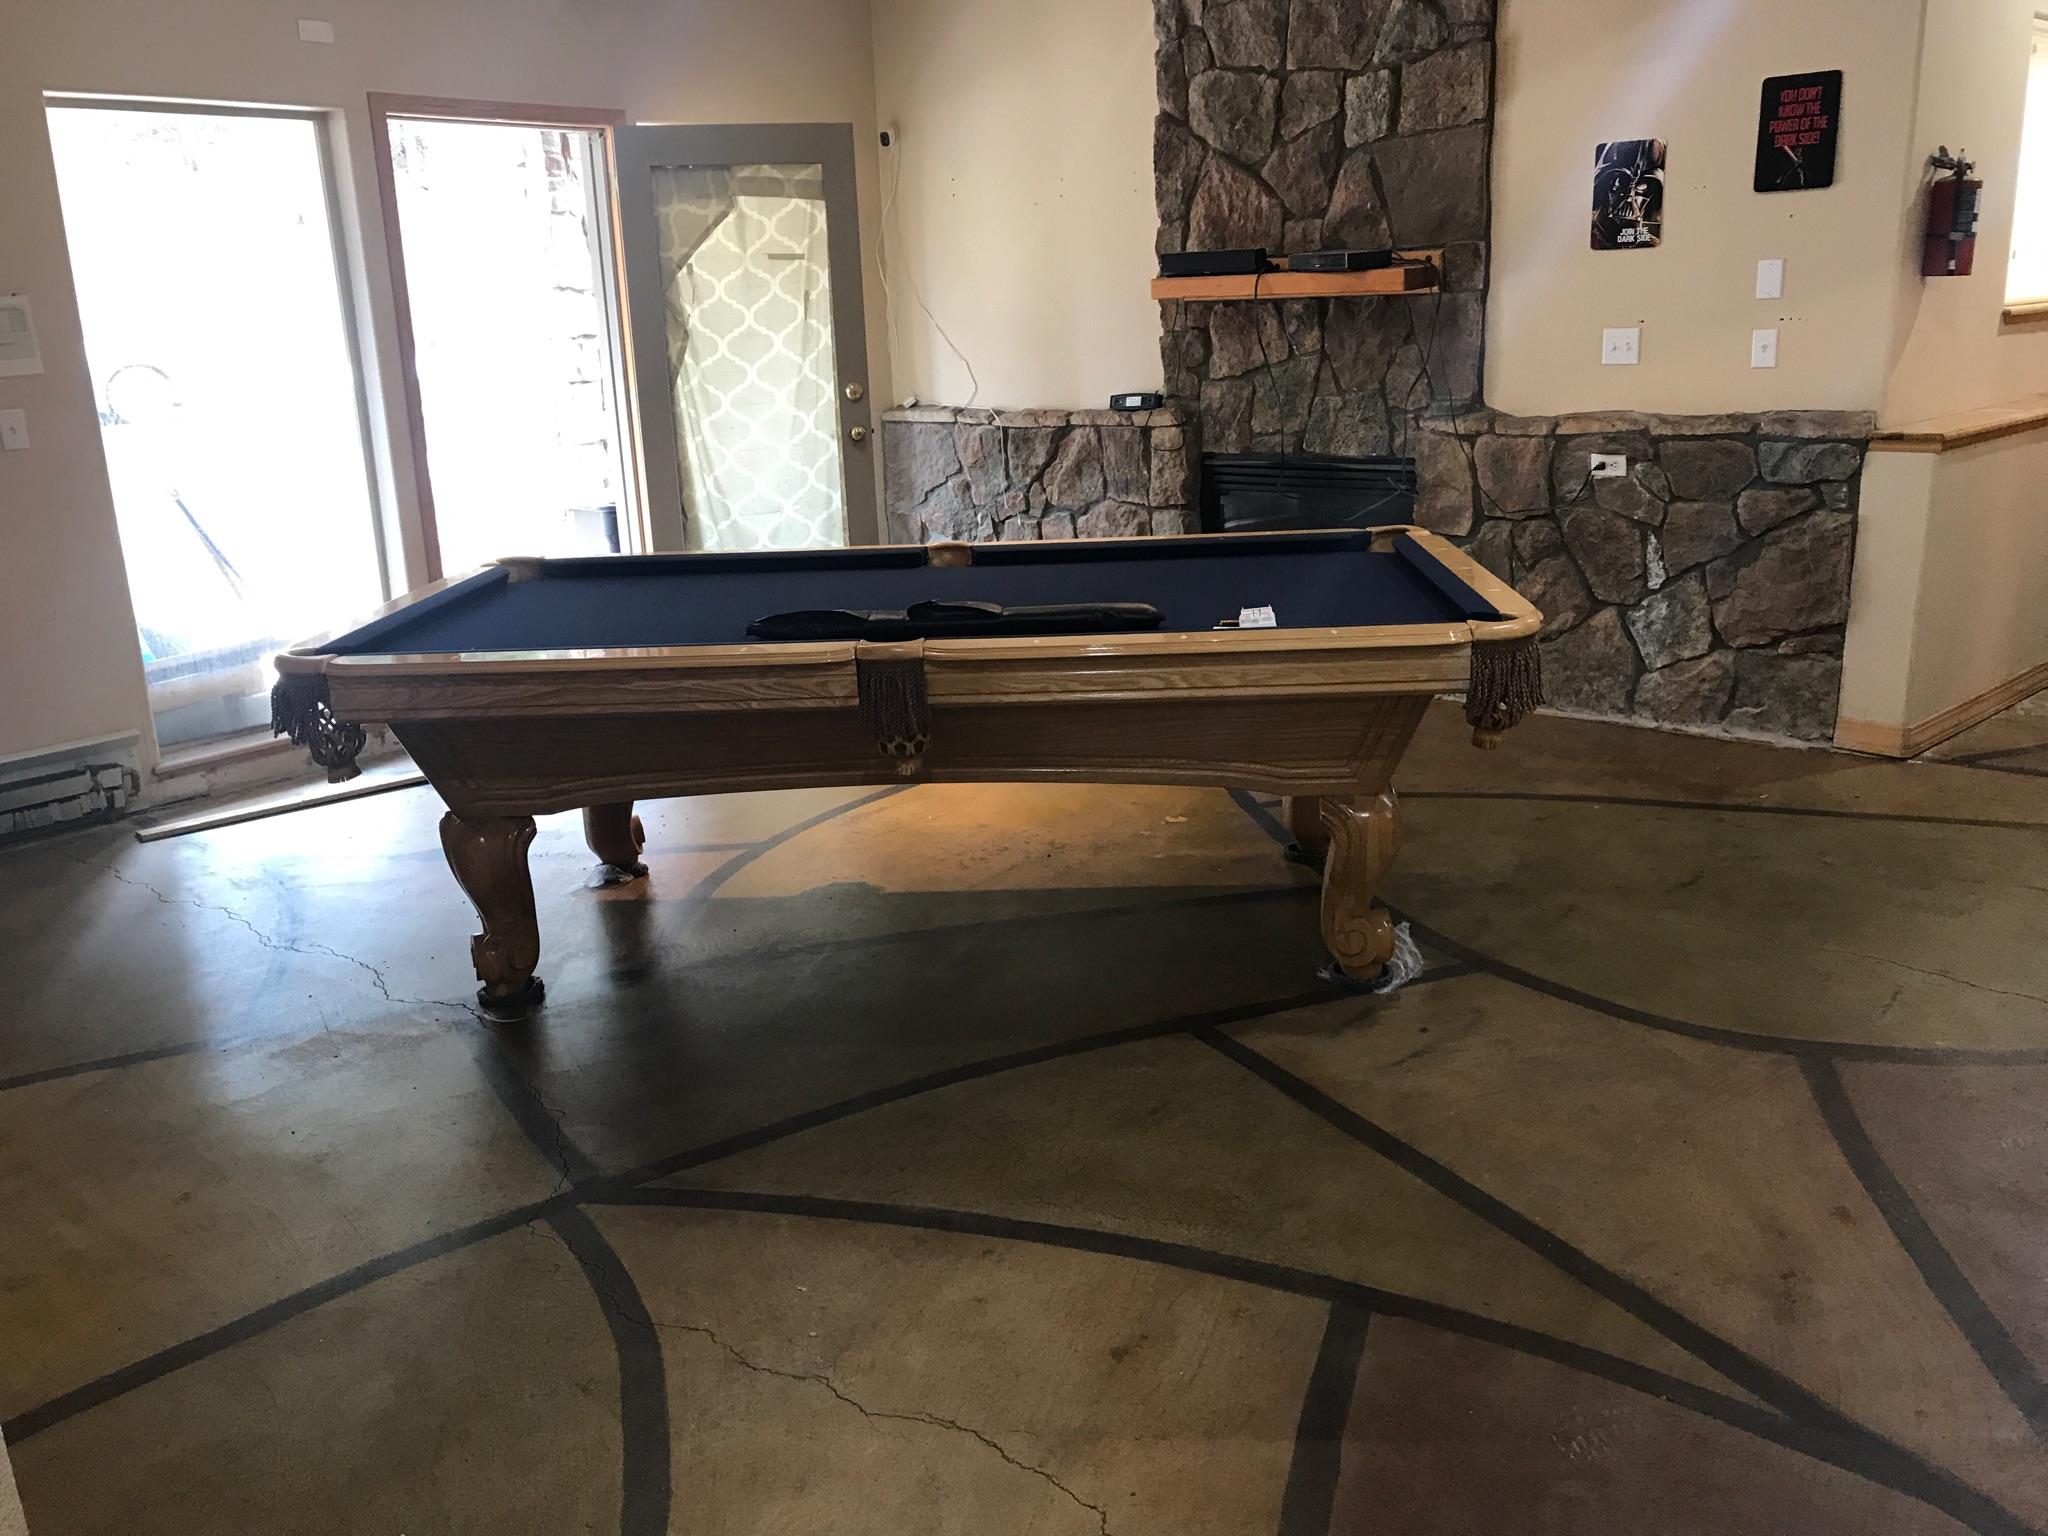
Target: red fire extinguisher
<point x="1953" y="203"/>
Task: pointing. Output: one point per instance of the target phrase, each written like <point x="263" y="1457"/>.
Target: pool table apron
<point x="523" y="736"/>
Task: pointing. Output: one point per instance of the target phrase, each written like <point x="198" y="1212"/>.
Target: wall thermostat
<point x="1145" y="402"/>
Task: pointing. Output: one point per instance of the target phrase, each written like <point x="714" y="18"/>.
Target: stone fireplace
<point x="1708" y="588"/>
<point x="1303" y="124"/>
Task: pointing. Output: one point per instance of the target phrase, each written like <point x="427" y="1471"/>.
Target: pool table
<point x="547" y="685"/>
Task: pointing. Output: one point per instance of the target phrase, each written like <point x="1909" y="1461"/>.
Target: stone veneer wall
<point x="964" y="473"/>
<point x="1303" y="124"/>
<point x="1709" y="587"/>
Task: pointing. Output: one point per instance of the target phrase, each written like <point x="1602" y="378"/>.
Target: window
<point x="2026" y="274"/>
<point x="218" y="335"/>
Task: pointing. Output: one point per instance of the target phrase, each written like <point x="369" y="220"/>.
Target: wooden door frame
<point x="383" y="107"/>
<point x="827" y="145"/>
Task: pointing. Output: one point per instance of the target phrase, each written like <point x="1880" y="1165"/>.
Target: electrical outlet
<point x="1621" y="345"/>
<point x="1609" y="466"/>
<point x="1770" y="278"/>
<point x="13" y="430"/>
<point x="1763" y="349"/>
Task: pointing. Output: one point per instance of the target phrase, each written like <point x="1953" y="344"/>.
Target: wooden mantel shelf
<point x="1422" y="274"/>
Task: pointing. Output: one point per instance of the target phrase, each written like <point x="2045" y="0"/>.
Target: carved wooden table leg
<point x="1305" y="820"/>
<point x="488" y="855"/>
<point x="1364" y="835"/>
<point x="615" y="835"/>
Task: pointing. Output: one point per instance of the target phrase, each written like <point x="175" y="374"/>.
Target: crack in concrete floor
<point x="635" y="1313"/>
<point x="1852" y="953"/>
<point x="562" y="1156"/>
<point x="819" y="1378"/>
<point x="376" y="976"/>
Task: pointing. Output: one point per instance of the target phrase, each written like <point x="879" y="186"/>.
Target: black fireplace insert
<point x="1265" y="492"/>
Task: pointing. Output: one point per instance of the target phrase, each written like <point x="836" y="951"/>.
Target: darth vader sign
<point x="1628" y="195"/>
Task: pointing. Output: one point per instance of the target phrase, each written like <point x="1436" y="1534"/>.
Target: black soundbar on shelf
<point x="1213" y="263"/>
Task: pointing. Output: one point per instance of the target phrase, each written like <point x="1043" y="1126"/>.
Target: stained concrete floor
<point x="988" y="1160"/>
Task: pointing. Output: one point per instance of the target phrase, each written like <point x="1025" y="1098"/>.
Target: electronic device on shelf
<point x="1147" y="401"/>
<point x="1213" y="263"/>
<point x="1340" y="261"/>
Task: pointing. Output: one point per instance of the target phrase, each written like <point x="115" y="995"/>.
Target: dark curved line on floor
<point x="605" y="1185"/>
<point x="108" y="1063"/>
<point x="705" y="888"/>
<point x="1713" y="1034"/>
<point x="1735" y="1039"/>
<point x="1971" y="759"/>
<point x="1645" y="802"/>
<point x="1264" y="1274"/>
<point x="2003" y="1359"/>
<point x="154" y="1367"/>
<point x="1905" y="1471"/>
<point x="1310" y="1496"/>
<point x="1270" y="824"/>
<point x="1723" y="1356"/>
<point x="2012" y="768"/>
<point x="140" y="1373"/>
<point x="644" y="1482"/>
<point x="538" y="1122"/>
<point x="1831" y="1437"/>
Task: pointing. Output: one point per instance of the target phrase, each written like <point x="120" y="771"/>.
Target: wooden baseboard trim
<point x="1911" y="740"/>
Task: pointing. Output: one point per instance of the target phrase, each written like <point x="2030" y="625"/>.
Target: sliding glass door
<point x="499" y="223"/>
<point x="219" y="338"/>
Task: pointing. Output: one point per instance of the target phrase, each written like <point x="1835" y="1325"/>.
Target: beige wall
<point x="1950" y="567"/>
<point x="1576" y="72"/>
<point x="1950" y="352"/>
<point x="1952" y="549"/>
<point x="1025" y="204"/>
<point x="68" y="663"/>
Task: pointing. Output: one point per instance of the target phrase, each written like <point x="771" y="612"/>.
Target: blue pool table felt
<point x="1333" y="580"/>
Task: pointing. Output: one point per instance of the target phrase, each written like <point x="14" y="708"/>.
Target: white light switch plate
<point x="316" y="31"/>
<point x="1763" y="349"/>
<point x="1770" y="278"/>
<point x="1621" y="345"/>
<point x="13" y="430"/>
